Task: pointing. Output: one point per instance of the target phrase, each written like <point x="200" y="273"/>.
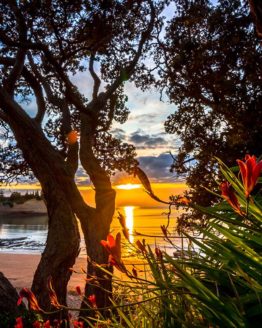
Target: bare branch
<point x="73" y="96"/>
<point x="127" y="71"/>
<point x="16" y="71"/>
<point x="62" y="104"/>
<point x="3" y="116"/>
<point x="96" y="79"/>
<point x="35" y="85"/>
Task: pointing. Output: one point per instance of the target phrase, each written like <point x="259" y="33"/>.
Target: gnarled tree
<point x="43" y="45"/>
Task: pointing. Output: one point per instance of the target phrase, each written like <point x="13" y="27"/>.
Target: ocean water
<point x="28" y="235"/>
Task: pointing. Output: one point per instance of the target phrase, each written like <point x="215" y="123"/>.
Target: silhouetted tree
<point x="43" y="45"/>
<point x="210" y="67"/>
<point x="256" y="11"/>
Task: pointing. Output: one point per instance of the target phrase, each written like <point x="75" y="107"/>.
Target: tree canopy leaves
<point x="212" y="72"/>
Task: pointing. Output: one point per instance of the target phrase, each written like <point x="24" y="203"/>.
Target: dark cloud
<point x="119" y="133"/>
<point x="156" y="141"/>
<point x="146" y="140"/>
<point x="157" y="167"/>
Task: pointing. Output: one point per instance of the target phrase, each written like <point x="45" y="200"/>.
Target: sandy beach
<point x="20" y="268"/>
<point x="31" y="207"/>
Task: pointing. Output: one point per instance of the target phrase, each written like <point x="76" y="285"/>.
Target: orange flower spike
<point x="18" y="323"/>
<point x="126" y="234"/>
<point x="164" y="230"/>
<point x="52" y="294"/>
<point x="228" y="194"/>
<point x="78" y="290"/>
<point x="141" y="246"/>
<point x="92" y="300"/>
<point x="134" y="271"/>
<point x="47" y="324"/>
<point x="32" y="301"/>
<point x="159" y="253"/>
<point x="113" y="246"/>
<point x="116" y="263"/>
<point x="250" y="171"/>
<point x="122" y="221"/>
<point x="72" y="137"/>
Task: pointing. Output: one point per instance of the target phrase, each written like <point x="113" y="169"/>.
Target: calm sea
<point x="28" y="235"/>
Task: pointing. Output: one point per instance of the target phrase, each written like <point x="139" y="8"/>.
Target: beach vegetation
<point x="213" y="280"/>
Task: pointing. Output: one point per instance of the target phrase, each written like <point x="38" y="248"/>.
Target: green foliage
<point x="8" y="320"/>
<point x="212" y="73"/>
<point x="216" y="281"/>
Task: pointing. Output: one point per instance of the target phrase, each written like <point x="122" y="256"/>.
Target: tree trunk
<point x="95" y="229"/>
<point x="97" y="226"/>
<point x="8" y="298"/>
<point x="62" y="248"/>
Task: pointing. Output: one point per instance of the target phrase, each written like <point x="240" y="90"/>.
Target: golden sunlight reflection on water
<point x="129" y="214"/>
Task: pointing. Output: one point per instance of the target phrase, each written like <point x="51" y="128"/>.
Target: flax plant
<point x="215" y="280"/>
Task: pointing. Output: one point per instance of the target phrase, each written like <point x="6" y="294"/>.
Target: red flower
<point x="52" y="294"/>
<point x="78" y="324"/>
<point x="113" y="246"/>
<point x="159" y="253"/>
<point x="32" y="301"/>
<point x="134" y="271"/>
<point x="122" y="221"/>
<point x="141" y="246"/>
<point x="250" y="171"/>
<point x="164" y="230"/>
<point x="19" y="322"/>
<point x="47" y="324"/>
<point x="92" y="300"/>
<point x="78" y="290"/>
<point x="229" y="195"/>
<point x="37" y="324"/>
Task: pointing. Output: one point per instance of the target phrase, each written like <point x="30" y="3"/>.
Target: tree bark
<point x="62" y="248"/>
<point x="8" y="298"/>
<point x="97" y="226"/>
<point x="95" y="229"/>
<point x="63" y="201"/>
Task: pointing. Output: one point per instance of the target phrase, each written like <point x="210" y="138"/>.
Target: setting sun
<point x="128" y="186"/>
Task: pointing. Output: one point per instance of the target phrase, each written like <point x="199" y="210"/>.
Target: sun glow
<point x="129" y="214"/>
<point x="128" y="186"/>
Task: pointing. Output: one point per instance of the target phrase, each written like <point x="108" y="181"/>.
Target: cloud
<point x="157" y="168"/>
<point x="81" y="178"/>
<point x="119" y="133"/>
<point x="139" y="139"/>
<point x="144" y="118"/>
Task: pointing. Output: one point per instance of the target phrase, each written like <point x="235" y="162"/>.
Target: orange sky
<point x="138" y="197"/>
<point x="128" y="194"/>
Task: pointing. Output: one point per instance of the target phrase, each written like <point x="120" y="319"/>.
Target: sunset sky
<point x="144" y="128"/>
